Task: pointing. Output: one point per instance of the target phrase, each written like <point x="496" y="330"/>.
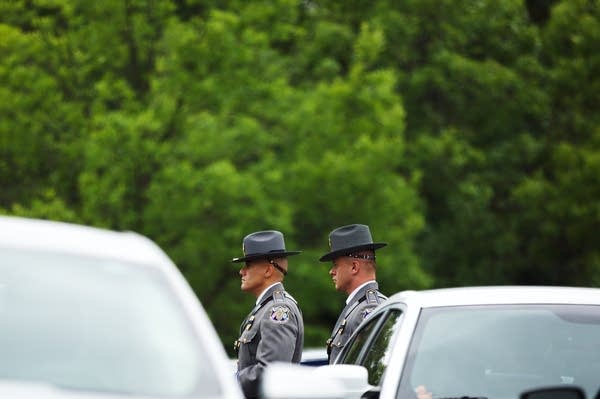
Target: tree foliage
<point x="466" y="134"/>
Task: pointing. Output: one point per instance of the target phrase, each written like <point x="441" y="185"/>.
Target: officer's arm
<point x="278" y="339"/>
<point x="277" y="343"/>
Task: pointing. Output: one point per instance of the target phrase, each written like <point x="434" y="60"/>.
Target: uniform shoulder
<point x="281" y="296"/>
<point x="280" y="309"/>
<point x="374" y="297"/>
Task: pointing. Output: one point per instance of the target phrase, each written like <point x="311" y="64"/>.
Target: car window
<point x="500" y="351"/>
<point x="377" y="357"/>
<point x="374" y="344"/>
<point x="96" y="325"/>
<point x="351" y="355"/>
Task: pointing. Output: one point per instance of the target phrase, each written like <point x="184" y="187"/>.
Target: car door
<point x="370" y="345"/>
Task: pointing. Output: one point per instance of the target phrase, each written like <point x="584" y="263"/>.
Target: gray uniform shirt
<point x="273" y="331"/>
<point x="365" y="300"/>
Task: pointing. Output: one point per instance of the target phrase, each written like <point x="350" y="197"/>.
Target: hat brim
<point x="269" y="255"/>
<point x="345" y="251"/>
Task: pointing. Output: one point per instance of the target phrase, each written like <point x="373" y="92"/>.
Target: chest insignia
<point x="280" y="314"/>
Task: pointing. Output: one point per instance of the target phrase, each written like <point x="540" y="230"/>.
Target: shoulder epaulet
<point x="374" y="297"/>
<point x="279" y="296"/>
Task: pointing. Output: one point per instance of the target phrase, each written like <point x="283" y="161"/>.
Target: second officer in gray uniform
<point x="352" y="253"/>
<point x="274" y="328"/>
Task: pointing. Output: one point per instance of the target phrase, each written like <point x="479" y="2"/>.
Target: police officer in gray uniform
<point x="274" y="328"/>
<point x="352" y="253"/>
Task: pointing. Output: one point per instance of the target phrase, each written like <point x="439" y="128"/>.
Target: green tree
<point x="464" y="133"/>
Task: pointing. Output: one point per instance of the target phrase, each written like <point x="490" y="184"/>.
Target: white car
<point x="478" y="342"/>
<point x="91" y="313"/>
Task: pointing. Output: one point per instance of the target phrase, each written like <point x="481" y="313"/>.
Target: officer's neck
<point x="357" y="288"/>
<point x="260" y="297"/>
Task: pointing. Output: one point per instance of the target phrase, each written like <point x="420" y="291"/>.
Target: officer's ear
<point x="268" y="271"/>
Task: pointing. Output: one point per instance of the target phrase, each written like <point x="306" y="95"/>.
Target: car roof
<point x="487" y="295"/>
<point x="52" y="236"/>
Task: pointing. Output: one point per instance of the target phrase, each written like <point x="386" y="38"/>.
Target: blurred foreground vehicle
<point x="479" y="342"/>
<point x="91" y="313"/>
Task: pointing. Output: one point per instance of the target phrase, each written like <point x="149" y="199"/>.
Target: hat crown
<point x="348" y="239"/>
<point x="263" y="242"/>
<point x="350" y="236"/>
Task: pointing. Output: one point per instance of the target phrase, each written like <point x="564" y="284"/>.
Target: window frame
<point x="378" y="318"/>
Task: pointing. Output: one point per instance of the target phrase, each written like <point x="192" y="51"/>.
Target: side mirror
<point x="284" y="380"/>
<point x="558" y="392"/>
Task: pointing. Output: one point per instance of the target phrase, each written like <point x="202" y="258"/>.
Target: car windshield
<point x="500" y="351"/>
<point x="96" y="325"/>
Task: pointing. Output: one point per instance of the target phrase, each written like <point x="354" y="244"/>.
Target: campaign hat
<point x="268" y="244"/>
<point x="348" y="239"/>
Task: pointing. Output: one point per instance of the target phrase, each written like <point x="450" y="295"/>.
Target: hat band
<point x="274" y="251"/>
<point x="357" y="256"/>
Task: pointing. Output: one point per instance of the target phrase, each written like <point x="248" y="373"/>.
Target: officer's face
<point x="340" y="273"/>
<point x="252" y="274"/>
